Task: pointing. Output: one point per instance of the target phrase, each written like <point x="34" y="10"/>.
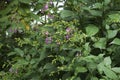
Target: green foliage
<point x="80" y="42"/>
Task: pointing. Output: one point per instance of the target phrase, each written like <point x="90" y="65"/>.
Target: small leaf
<point x="116" y="41"/>
<point x="91" y="30"/>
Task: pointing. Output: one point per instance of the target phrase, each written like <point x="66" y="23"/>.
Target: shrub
<point x="39" y="42"/>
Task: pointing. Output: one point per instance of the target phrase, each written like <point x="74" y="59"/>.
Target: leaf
<point x="25" y="1"/>
<point x="19" y="52"/>
<point x="91" y="30"/>
<point x="100" y="67"/>
<point x="109" y="73"/>
<point x="114" y="18"/>
<point x="48" y="66"/>
<point x="106" y="2"/>
<point x="101" y="43"/>
<point x="116" y="69"/>
<point x="107" y="61"/>
<point x="116" y="41"/>
<point x="95" y="13"/>
<point x="81" y="69"/>
<point x="66" y="13"/>
<point x="41" y="1"/>
<point x="112" y="33"/>
<point x="97" y="6"/>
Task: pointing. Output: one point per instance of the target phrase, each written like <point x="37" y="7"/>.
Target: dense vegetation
<point x="39" y="42"/>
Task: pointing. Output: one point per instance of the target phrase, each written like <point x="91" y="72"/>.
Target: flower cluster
<point x="68" y="35"/>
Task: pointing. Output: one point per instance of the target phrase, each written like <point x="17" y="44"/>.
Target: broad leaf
<point x="116" y="41"/>
<point x="66" y="13"/>
<point x="91" y="30"/>
<point x="112" y="33"/>
<point x="101" y="43"/>
<point x="109" y="73"/>
<point x="116" y="69"/>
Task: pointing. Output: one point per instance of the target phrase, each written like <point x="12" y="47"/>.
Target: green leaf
<point x="109" y="73"/>
<point x="112" y="33"/>
<point x="100" y="67"/>
<point x="116" y="41"/>
<point x="101" y="43"/>
<point x="97" y="6"/>
<point x="95" y="13"/>
<point x="106" y="2"/>
<point x="91" y="30"/>
<point x="19" y="52"/>
<point x="48" y="66"/>
<point x="81" y="69"/>
<point x="114" y="18"/>
<point x="107" y="61"/>
<point x="116" y="69"/>
<point x="66" y="13"/>
<point x="25" y="1"/>
<point x="41" y="1"/>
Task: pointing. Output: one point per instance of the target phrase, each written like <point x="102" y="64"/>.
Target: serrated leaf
<point x="116" y="41"/>
<point x="91" y="30"/>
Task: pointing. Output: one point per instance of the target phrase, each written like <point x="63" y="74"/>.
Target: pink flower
<point x="48" y="40"/>
<point x="46" y="7"/>
<point x="68" y="30"/>
<point x="51" y="2"/>
<point x="67" y="37"/>
<point x="46" y="33"/>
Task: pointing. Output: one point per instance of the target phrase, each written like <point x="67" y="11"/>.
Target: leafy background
<point x="80" y="42"/>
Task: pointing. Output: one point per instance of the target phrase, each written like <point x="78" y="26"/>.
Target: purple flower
<point x="68" y="30"/>
<point x="67" y="36"/>
<point x="46" y="7"/>
<point x="13" y="30"/>
<point x="48" y="40"/>
<point x="51" y="2"/>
